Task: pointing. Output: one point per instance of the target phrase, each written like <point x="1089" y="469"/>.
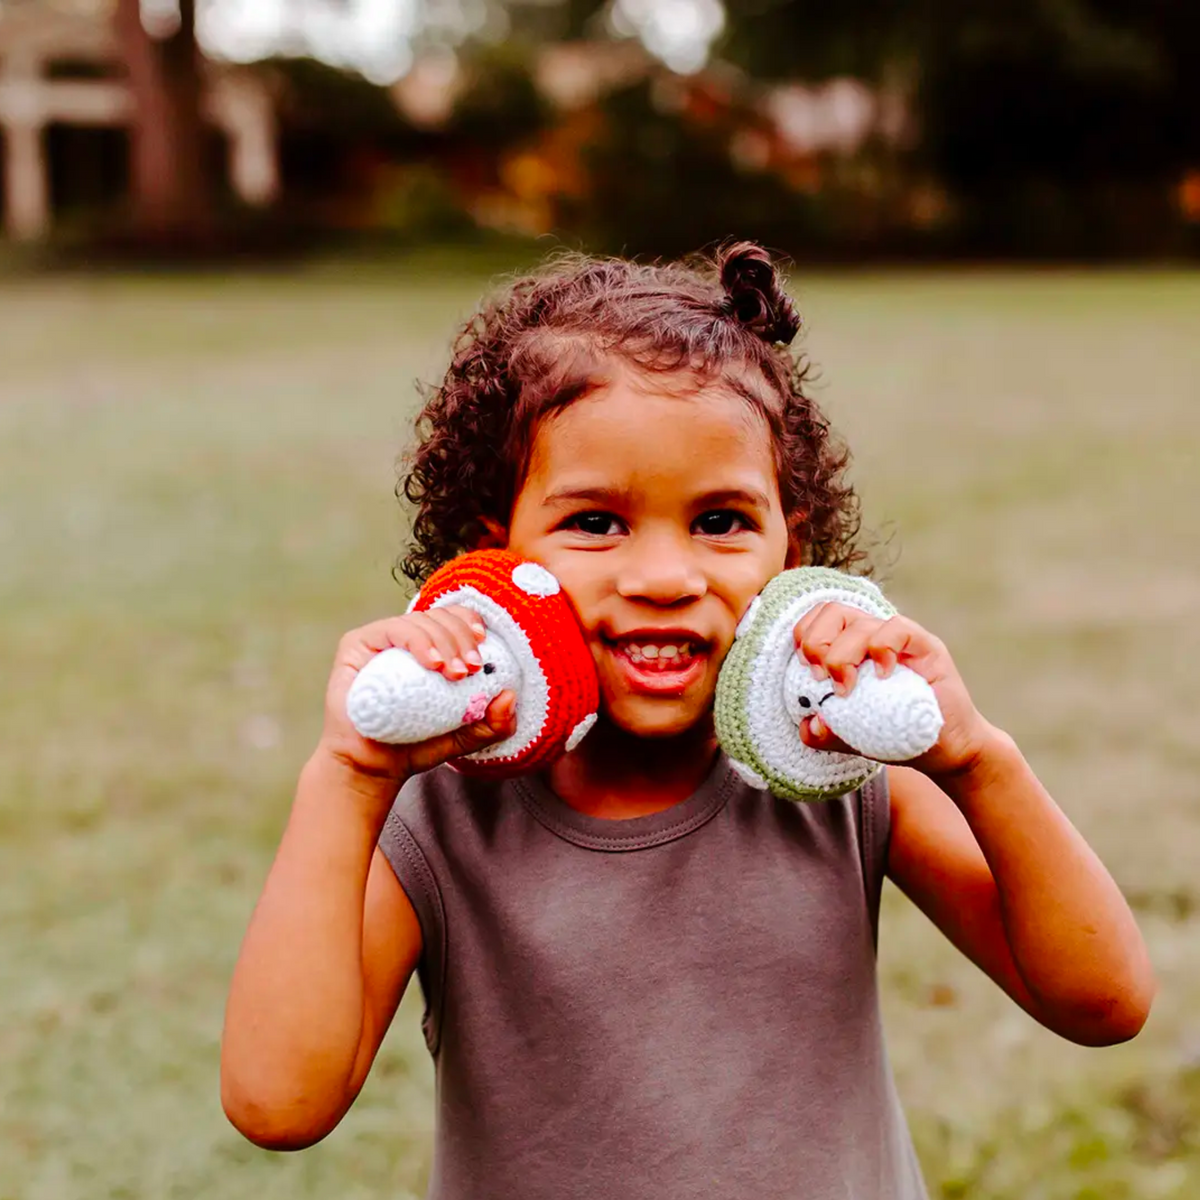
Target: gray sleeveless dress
<point x="676" y="1006"/>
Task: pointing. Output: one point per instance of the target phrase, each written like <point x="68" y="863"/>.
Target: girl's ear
<point x="495" y="537"/>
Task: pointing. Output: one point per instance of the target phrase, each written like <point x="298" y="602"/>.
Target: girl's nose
<point x="661" y="570"/>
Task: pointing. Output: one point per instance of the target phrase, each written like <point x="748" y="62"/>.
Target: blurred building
<point x="66" y="110"/>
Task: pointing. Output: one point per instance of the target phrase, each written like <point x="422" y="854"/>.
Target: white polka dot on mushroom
<point x="580" y="731"/>
<point x="535" y="580"/>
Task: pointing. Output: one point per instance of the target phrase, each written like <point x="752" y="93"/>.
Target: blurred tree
<point x="1062" y="125"/>
<point x="554" y="20"/>
<point x="1173" y="27"/>
<point x="662" y="182"/>
<point x="172" y="186"/>
<point x="336" y="99"/>
<point x="500" y="103"/>
<point x="582" y="17"/>
<point x="788" y="39"/>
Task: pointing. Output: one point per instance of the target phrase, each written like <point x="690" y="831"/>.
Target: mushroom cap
<point x="753" y="723"/>
<point x="523" y="604"/>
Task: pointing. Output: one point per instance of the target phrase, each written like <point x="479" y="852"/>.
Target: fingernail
<point x="435" y="657"/>
<point x="816" y="728"/>
<point x="458" y="666"/>
<point x="818" y="671"/>
<point x="479" y="628"/>
<point x="473" y="657"/>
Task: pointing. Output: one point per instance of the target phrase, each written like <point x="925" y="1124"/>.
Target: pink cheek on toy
<point x="475" y="709"/>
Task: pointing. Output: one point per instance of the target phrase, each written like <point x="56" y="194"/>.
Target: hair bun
<point x="754" y="295"/>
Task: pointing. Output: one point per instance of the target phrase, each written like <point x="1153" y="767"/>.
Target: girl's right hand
<point x="442" y="639"/>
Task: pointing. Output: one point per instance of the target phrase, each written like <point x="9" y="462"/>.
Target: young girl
<point x="643" y="977"/>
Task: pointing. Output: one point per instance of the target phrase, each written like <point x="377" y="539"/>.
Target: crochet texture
<point x="765" y="690"/>
<point x="533" y="646"/>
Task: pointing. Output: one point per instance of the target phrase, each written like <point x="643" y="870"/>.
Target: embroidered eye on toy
<point x="533" y="646"/>
<point x="765" y="690"/>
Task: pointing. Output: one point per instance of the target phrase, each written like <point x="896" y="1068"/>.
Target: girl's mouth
<point x="659" y="668"/>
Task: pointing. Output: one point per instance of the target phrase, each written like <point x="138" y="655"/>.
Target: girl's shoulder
<point x="442" y="809"/>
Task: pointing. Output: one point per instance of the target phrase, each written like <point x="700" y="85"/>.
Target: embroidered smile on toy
<point x="765" y="690"/>
<point x="533" y="647"/>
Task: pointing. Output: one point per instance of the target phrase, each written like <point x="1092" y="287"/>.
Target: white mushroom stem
<point x="890" y="719"/>
<point x="395" y="699"/>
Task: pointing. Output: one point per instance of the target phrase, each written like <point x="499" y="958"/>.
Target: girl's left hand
<point x="836" y="638"/>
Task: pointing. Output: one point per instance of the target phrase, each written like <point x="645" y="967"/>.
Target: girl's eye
<point x="718" y="523"/>
<point x="721" y="521"/>
<point x="596" y="523"/>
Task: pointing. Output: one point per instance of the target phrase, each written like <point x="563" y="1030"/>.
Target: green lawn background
<point x="195" y="502"/>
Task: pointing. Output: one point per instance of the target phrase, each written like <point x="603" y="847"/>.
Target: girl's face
<point x="655" y="503"/>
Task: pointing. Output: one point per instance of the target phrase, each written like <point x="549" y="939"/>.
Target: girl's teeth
<point x="659" y="655"/>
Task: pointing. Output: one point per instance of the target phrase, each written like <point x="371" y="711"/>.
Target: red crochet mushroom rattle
<point x="533" y="646"/>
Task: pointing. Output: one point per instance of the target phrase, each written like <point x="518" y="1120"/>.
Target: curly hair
<point x="543" y="343"/>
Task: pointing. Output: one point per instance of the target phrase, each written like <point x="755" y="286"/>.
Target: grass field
<point x="195" y="501"/>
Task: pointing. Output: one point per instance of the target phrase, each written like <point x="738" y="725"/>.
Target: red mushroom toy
<point x="533" y="646"/>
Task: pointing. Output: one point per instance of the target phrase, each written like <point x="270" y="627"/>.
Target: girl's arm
<point x="334" y="940"/>
<point x="330" y="948"/>
<point x="981" y="847"/>
<point x="991" y="859"/>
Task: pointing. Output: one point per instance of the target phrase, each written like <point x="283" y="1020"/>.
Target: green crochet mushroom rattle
<point x="766" y="690"/>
